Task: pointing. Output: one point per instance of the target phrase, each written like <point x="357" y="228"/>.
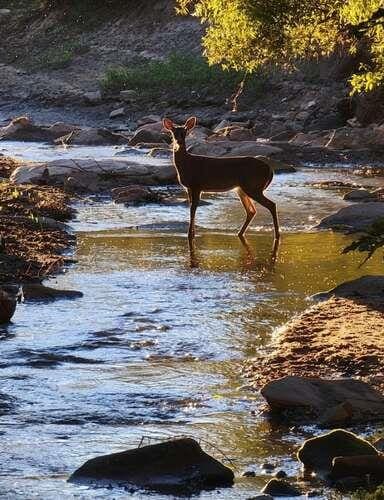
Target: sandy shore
<point x="341" y="337"/>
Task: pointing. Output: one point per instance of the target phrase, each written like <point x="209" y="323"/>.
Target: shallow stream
<point x="154" y="346"/>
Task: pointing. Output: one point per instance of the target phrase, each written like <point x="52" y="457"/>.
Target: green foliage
<point x="369" y="242"/>
<point x="247" y="34"/>
<point x="59" y="56"/>
<point x="178" y="72"/>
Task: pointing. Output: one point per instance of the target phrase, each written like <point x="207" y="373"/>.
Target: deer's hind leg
<point x="249" y="208"/>
<point x="271" y="206"/>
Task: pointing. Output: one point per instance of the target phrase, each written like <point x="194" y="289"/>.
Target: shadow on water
<point x="249" y="260"/>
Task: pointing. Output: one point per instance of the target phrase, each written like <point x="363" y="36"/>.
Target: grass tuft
<point x="178" y="72"/>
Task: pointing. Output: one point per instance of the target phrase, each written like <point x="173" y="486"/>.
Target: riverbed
<point x="153" y="347"/>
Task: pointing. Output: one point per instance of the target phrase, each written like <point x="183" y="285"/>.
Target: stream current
<point x="154" y="346"/>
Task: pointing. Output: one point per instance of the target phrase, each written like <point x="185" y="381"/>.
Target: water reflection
<point x="153" y="347"/>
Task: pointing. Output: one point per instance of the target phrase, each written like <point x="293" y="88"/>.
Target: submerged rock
<point x="366" y="286"/>
<point x="281" y="488"/>
<point x="353" y="218"/>
<point x="332" y="402"/>
<point x="135" y="194"/>
<point x="317" y="453"/>
<point x="173" y="467"/>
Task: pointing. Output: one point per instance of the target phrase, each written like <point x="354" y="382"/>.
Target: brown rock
<point x="7" y="306"/>
<point x="317" y="453"/>
<point x="172" y="467"/>
<point x="332" y="401"/>
<point x="150" y="133"/>
<point x="358" y="466"/>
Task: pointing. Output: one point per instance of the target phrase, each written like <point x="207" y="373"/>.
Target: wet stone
<point x="249" y="473"/>
<point x="318" y="453"/>
<point x="280" y="474"/>
<point x="174" y="467"/>
<point x="281" y="488"/>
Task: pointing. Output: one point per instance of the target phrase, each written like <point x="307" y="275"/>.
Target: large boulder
<point x="343" y="138"/>
<point x="23" y="129"/>
<point x="317" y="453"/>
<point x="353" y="218"/>
<point x="366" y="286"/>
<point x="172" y="467"/>
<point x="151" y="133"/>
<point x="332" y="402"/>
<point x="357" y="138"/>
<point x="94" y="175"/>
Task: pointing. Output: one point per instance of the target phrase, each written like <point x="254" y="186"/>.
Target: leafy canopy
<point x="247" y="34"/>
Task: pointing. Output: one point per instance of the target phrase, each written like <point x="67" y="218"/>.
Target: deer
<point x="248" y="175"/>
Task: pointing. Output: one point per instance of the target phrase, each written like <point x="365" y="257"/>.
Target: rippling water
<point x="153" y="348"/>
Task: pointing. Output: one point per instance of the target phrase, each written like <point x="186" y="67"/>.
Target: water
<point x="154" y="346"/>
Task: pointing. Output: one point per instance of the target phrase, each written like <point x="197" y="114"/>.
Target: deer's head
<point x="179" y="132"/>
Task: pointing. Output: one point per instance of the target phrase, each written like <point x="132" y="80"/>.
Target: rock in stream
<point x="173" y="467"/>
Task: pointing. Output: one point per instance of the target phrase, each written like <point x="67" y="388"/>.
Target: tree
<point x="248" y="34"/>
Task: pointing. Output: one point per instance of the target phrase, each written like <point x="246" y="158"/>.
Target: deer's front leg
<point x="194" y="197"/>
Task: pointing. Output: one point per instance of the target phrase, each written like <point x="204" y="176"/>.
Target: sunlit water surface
<point x="154" y="346"/>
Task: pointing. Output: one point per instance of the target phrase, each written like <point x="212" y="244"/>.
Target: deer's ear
<point x="168" y="124"/>
<point x="190" y="123"/>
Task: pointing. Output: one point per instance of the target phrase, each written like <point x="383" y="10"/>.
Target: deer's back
<point x="224" y="173"/>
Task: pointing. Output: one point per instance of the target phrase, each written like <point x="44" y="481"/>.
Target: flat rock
<point x="331" y="401"/>
<point x="93" y="175"/>
<point x="39" y="292"/>
<point x="366" y="286"/>
<point x="353" y="218"/>
<point x="317" y="453"/>
<point x="172" y="467"/>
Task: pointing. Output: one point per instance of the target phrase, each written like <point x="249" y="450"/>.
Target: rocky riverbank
<point x="34" y="238"/>
<point x="340" y="337"/>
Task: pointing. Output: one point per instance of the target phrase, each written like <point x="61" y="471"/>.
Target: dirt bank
<point x="341" y="337"/>
<point x="32" y="241"/>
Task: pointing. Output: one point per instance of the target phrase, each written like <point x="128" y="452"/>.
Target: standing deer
<point x="250" y="176"/>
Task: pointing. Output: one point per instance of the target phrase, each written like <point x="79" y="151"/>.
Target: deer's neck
<point x="180" y="157"/>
